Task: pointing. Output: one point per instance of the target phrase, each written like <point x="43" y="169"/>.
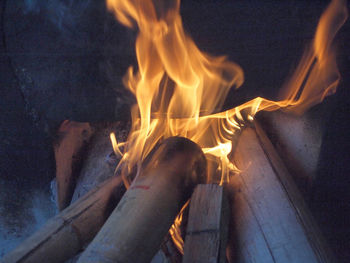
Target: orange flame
<point x="179" y="88"/>
<point x="175" y="84"/>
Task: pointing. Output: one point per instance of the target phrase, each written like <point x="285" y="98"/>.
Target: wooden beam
<point x="272" y="223"/>
<point x="206" y="234"/>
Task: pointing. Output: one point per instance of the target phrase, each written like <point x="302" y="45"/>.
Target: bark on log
<point x="206" y="234"/>
<point x="71" y="138"/>
<point x="67" y="233"/>
<point x="272" y="223"/>
<point x="136" y="228"/>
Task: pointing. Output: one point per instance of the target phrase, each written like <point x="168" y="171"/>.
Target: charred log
<point x="137" y="226"/>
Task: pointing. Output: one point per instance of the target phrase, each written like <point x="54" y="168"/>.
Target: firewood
<point x="272" y="223"/>
<point x="206" y="234"/>
<point x="72" y="136"/>
<point x="71" y="230"/>
<point x="137" y="226"/>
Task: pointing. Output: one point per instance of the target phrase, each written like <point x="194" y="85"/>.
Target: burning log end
<point x="136" y="228"/>
<point x="183" y="161"/>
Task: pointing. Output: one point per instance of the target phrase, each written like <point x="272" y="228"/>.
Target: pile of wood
<point x="259" y="216"/>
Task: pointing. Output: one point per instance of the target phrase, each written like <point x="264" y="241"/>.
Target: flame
<point x="175" y="231"/>
<point x="176" y="84"/>
<point x="180" y="89"/>
<point x="115" y="144"/>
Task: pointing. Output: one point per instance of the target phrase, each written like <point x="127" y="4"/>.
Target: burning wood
<point x="179" y="89"/>
<point x="137" y="226"/>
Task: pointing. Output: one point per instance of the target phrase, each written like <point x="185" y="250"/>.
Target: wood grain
<point x="206" y="234"/>
<point x="271" y="220"/>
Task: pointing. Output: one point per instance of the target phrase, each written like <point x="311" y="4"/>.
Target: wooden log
<point x="71" y="230"/>
<point x="272" y="223"/>
<point x="72" y="136"/>
<point x="206" y="234"/>
<point x="136" y="228"/>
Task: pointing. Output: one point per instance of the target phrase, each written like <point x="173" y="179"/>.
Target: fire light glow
<point x="178" y="88"/>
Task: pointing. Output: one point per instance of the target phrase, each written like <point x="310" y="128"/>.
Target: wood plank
<point x="270" y="216"/>
<point x="206" y="234"/>
<point x="247" y="242"/>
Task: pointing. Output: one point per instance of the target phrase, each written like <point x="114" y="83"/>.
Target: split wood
<point x="207" y="228"/>
<point x="272" y="222"/>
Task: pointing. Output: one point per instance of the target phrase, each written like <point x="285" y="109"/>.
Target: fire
<point x="177" y="86"/>
<point x="179" y="89"/>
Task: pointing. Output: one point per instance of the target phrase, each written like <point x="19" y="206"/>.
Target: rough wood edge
<point x="207" y="220"/>
<point x="312" y="231"/>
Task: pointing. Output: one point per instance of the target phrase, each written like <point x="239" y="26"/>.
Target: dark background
<point x="64" y="59"/>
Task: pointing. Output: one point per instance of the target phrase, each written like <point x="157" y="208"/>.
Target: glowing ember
<point x="179" y="88"/>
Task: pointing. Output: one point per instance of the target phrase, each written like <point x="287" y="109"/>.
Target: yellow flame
<point x="115" y="144"/>
<point x="175" y="231"/>
<point x="176" y="84"/>
<point x="317" y="74"/>
<point x="179" y="88"/>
